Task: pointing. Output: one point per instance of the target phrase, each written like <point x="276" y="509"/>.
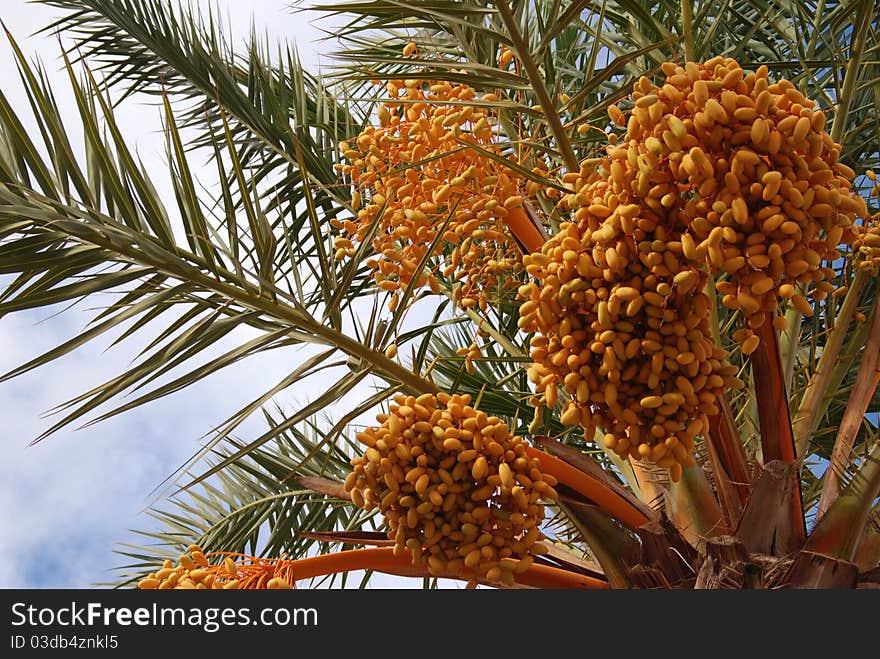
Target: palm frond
<point x="70" y="232"/>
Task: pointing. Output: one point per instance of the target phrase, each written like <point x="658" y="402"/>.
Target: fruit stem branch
<point x="382" y="559"/>
<point x="584" y="484"/>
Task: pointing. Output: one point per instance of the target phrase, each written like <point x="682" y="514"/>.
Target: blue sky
<point x="67" y="501"/>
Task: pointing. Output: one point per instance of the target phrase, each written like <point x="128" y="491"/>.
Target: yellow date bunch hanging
<point x="455" y="487"/>
<point x="422" y="175"/>
<point x="719" y="173"/>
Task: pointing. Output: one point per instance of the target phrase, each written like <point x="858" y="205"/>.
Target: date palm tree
<point x="783" y="488"/>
